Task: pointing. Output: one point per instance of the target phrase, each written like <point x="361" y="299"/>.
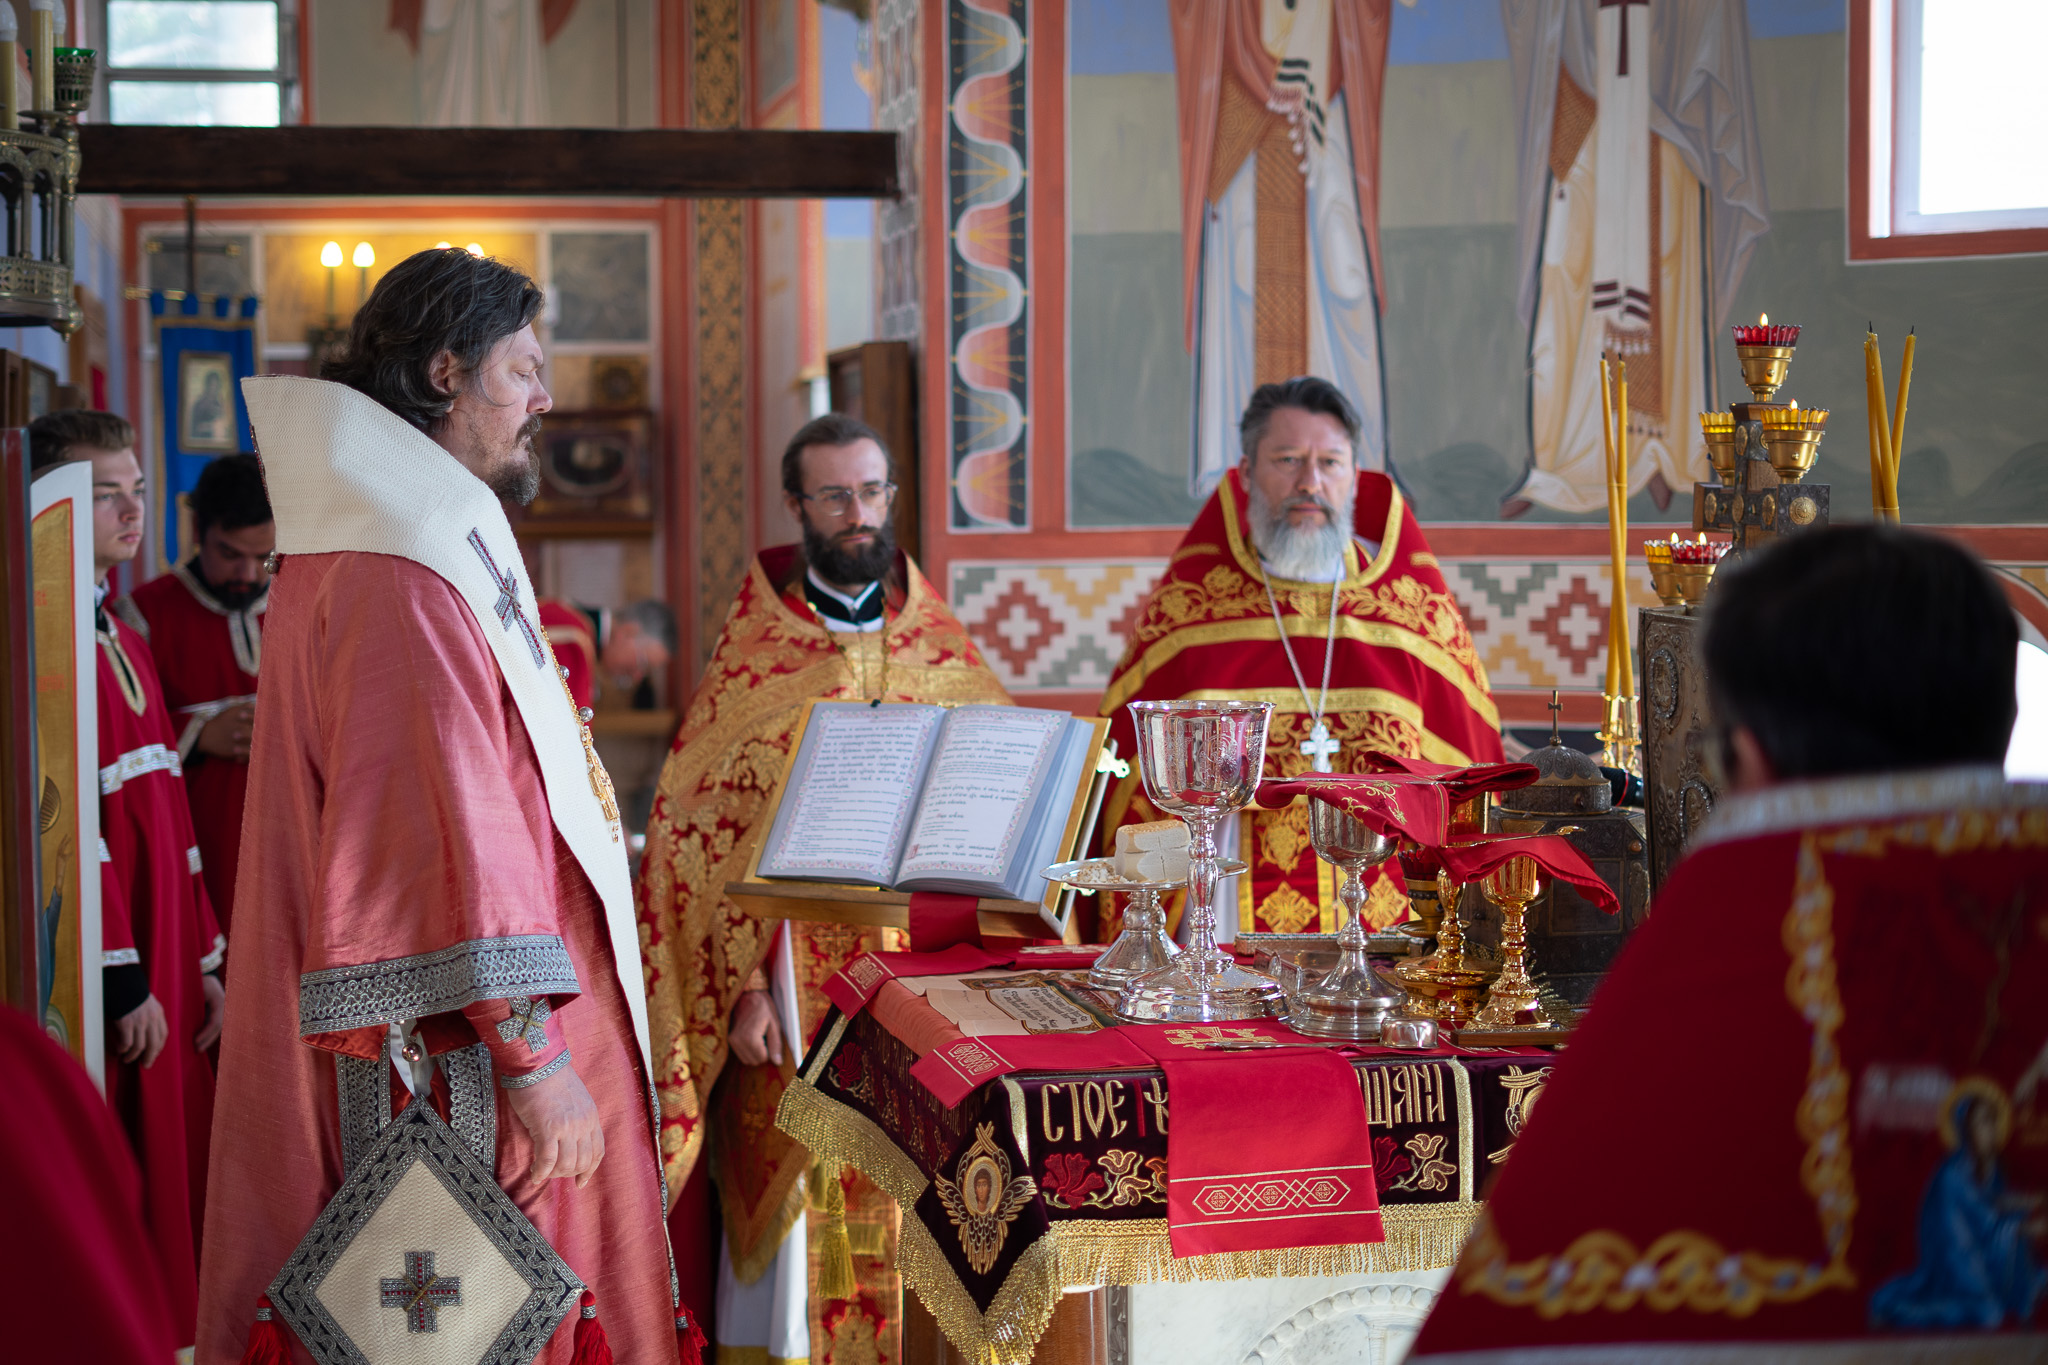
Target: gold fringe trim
<point x="750" y="1267"/>
<point x="1084" y="1251"/>
<point x="835" y="1255"/>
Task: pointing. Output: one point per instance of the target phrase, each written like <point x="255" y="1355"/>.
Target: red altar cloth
<point x="1869" y="953"/>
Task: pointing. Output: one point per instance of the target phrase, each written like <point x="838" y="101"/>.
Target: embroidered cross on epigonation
<point x="507" y="608"/>
<point x="526" y="1022"/>
<point x="421" y="1294"/>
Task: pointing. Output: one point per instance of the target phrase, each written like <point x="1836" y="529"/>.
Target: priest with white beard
<point x="1306" y="582"/>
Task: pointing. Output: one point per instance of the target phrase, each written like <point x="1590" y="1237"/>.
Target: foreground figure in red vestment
<point x="433" y="866"/>
<point x="204" y="624"/>
<point x="71" y="1201"/>
<point x="1807" y="1110"/>
<point x="163" y="948"/>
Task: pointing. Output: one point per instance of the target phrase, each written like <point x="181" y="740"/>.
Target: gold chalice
<point x="1763" y="369"/>
<point x="1513" y="1002"/>
<point x="1447" y="984"/>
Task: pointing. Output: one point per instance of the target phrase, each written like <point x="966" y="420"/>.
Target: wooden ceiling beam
<point x="319" y="160"/>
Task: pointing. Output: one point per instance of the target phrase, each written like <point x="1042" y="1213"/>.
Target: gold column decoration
<point x="720" y="447"/>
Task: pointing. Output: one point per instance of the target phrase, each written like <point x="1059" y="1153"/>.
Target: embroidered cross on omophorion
<point x="526" y="1021"/>
<point x="507" y="607"/>
<point x="422" y="1294"/>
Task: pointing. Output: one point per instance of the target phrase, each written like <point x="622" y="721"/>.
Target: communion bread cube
<point x="1154" y="865"/>
<point x="1152" y="836"/>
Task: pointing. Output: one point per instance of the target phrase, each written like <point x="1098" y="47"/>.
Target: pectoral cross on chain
<point x="507" y="607"/>
<point x="1320" y="748"/>
<point x="420" y="1294"/>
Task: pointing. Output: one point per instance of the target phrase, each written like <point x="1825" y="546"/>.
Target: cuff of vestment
<point x="371" y="995"/>
<point x="524" y="1034"/>
<point x="537" y="1075"/>
<point x="214" y="959"/>
<point x="123" y="987"/>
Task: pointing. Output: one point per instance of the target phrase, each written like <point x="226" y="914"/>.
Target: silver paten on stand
<point x="1353" y="1001"/>
<point x="1143" y="945"/>
<point x="1200" y="761"/>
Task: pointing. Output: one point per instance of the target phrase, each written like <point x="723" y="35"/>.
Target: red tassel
<point x="689" y="1338"/>
<point x="268" y="1344"/>
<point x="592" y="1347"/>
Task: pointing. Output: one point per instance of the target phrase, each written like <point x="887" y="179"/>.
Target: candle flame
<point x="1703" y="538"/>
<point x="330" y="255"/>
<point x="1763" y="319"/>
<point x="366" y="255"/>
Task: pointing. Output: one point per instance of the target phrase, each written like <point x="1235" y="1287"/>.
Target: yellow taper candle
<point x="1881" y="504"/>
<point x="1607" y="468"/>
<point x="1621" y="630"/>
<point x="1898" y="447"/>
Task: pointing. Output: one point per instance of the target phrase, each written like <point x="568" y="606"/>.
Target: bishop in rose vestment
<point x="436" y="849"/>
<point x="207" y="655"/>
<point x="160" y="938"/>
<point x="702" y="950"/>
<point x="1809" y="1106"/>
<point x="1404" y="679"/>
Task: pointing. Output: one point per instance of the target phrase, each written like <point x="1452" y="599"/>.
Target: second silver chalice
<point x="1353" y="1000"/>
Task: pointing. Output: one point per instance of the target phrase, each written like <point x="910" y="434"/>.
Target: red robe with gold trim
<point x="206" y="656"/>
<point x="772" y="657"/>
<point x="154" y="910"/>
<point x="1404" y="678"/>
<point x="1810" y="1103"/>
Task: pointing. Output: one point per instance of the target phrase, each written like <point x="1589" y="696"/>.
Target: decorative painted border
<point x="988" y="355"/>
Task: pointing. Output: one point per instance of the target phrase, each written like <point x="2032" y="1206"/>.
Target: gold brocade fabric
<point x="699" y="947"/>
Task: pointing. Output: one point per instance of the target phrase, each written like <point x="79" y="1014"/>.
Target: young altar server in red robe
<point x="204" y="624"/>
<point x="163" y="947"/>
<point x="1806" y="1114"/>
<point x="440" y="849"/>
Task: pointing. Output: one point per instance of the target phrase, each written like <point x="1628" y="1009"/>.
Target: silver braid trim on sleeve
<point x="535" y="1077"/>
<point x="379" y="993"/>
<point x="364" y="1091"/>
<point x="472" y="1102"/>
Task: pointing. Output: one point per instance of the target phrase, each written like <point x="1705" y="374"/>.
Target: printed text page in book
<point x="853" y="799"/>
<point x="989" y="762"/>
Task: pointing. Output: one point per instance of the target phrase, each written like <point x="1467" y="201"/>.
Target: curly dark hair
<point x="1306" y="392"/>
<point x="832" y="429"/>
<point x="229" y="494"/>
<point x="439" y="300"/>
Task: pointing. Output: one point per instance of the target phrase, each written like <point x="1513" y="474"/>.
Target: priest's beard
<point x="233" y="596"/>
<point x="515" y="476"/>
<point x="850" y="565"/>
<point x="1308" y="552"/>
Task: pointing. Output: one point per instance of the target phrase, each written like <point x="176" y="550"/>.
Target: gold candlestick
<point x="1449" y="981"/>
<point x="1513" y="1002"/>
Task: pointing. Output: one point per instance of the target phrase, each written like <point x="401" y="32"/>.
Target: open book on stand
<point x="971" y="800"/>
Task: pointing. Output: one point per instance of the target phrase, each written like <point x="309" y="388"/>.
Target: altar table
<point x="1044" y="1180"/>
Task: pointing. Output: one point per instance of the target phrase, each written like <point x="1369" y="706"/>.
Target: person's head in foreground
<point x="117" y="484"/>
<point x="446" y="341"/>
<point x="838" y="482"/>
<point x="1300" y="468"/>
<point x="642" y="639"/>
<point x="232" y="523"/>
<point x="1855" y="650"/>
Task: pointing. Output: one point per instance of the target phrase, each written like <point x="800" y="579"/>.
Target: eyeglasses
<point x="839" y="501"/>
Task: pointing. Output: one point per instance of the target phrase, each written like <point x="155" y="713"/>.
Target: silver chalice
<point x="1353" y="1000"/>
<point x="1200" y="761"/>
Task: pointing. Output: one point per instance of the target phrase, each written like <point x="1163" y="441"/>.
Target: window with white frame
<point x="1957" y="126"/>
<point x="199" y="61"/>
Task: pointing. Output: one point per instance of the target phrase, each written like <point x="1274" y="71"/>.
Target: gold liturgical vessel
<point x="1513" y="1001"/>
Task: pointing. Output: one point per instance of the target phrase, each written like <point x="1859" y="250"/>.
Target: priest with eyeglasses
<point x="844" y="615"/>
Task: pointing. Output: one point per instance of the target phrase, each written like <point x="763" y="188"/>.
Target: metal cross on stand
<point x="525" y="1022"/>
<point x="507" y="608"/>
<point x="1320" y="748"/>
<point x="421" y="1294"/>
<point x="1556" y="713"/>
